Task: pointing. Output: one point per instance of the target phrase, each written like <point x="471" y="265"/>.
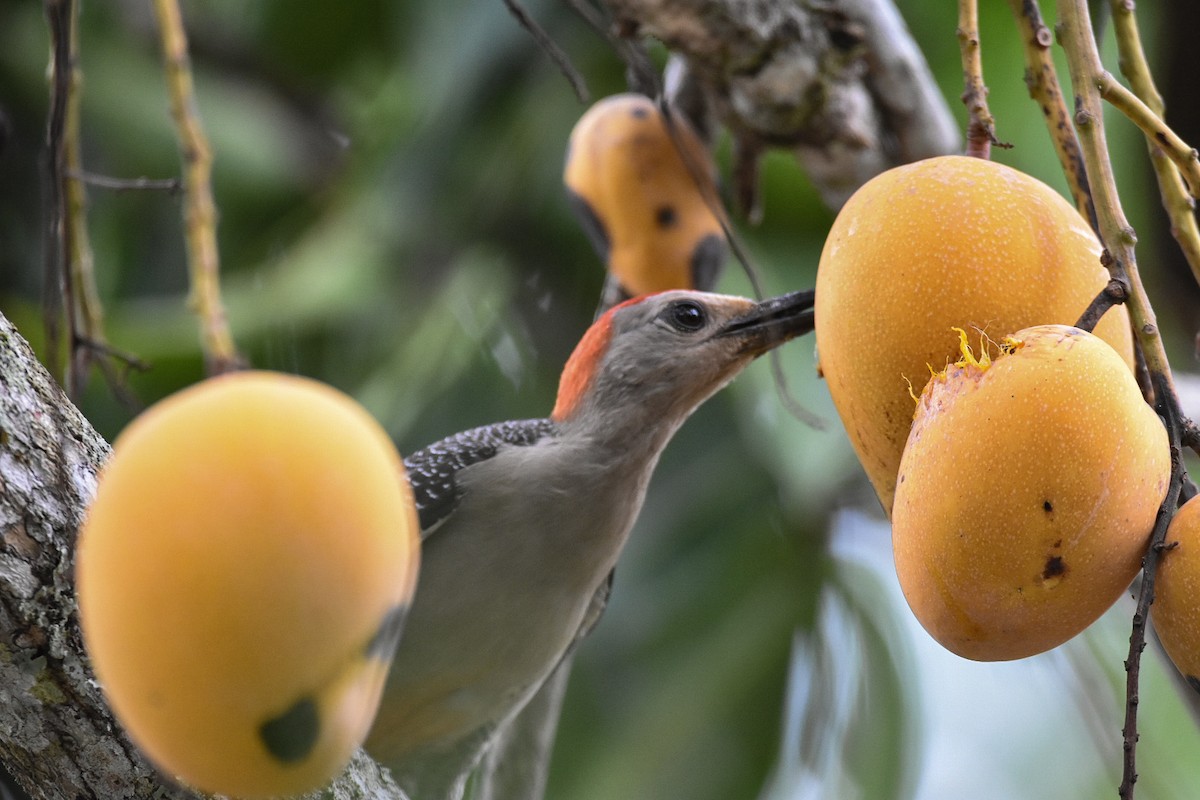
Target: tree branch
<point x="1179" y="205"/>
<point x="840" y="84"/>
<point x="200" y="212"/>
<point x="1041" y="76"/>
<point x="1118" y="238"/>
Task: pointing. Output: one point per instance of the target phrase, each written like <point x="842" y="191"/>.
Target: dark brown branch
<point x="1114" y="293"/>
<point x="1137" y="637"/>
<point x="70" y="283"/>
<point x="56" y="286"/>
<point x="551" y="49"/>
<point x="841" y="83"/>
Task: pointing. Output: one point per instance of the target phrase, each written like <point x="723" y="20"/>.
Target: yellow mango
<point x="949" y="242"/>
<point x="243" y="576"/>
<point x="1027" y="492"/>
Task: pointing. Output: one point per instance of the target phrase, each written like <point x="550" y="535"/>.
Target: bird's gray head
<point x="666" y="353"/>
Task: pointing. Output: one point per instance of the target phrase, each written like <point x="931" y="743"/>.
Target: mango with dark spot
<point x="990" y="566"/>
<point x="243" y="577"/>
<point x="643" y="187"/>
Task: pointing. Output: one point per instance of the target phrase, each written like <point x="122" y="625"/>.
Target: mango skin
<point x="1176" y="608"/>
<point x="251" y="545"/>
<point x="648" y="214"/>
<point x="1027" y="494"/>
<point x="926" y="247"/>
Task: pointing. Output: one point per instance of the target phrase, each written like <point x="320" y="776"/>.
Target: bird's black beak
<point x="773" y="322"/>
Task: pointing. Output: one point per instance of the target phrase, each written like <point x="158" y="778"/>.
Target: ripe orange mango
<point x="1027" y="493"/>
<point x="950" y="242"/>
<point x="645" y="190"/>
<point x="243" y="575"/>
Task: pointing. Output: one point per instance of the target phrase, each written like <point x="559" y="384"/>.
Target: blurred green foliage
<point x="393" y="222"/>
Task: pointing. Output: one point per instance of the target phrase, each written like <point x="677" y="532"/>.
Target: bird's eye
<point x="686" y="316"/>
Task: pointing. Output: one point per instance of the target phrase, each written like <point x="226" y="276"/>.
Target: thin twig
<point x="1137" y="636"/>
<point x="115" y="365"/>
<point x="1114" y="293"/>
<point x="551" y="49"/>
<point x="56" y="286"/>
<point x="129" y="361"/>
<point x="200" y="214"/>
<point x="169" y="185"/>
<point x="85" y="313"/>
<point x="71" y="296"/>
<point x="981" y="127"/>
<point x="1041" y="77"/>
<point x="1185" y="158"/>
<point x="1179" y="205"/>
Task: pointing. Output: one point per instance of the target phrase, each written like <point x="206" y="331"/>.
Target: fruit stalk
<point x="1041" y="77"/>
<point x="981" y="129"/>
<point x="1137" y="636"/>
<point x="1179" y="205"/>
<point x="200" y="213"/>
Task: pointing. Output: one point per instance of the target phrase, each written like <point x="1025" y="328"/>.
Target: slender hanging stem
<point x="981" y="127"/>
<point x="1179" y="205"/>
<point x="1041" y="77"/>
<point x="200" y="214"/>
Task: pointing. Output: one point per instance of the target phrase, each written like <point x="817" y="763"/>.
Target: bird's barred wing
<point x="432" y="472"/>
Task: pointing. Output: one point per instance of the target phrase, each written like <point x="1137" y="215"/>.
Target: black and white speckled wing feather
<point x="432" y="472"/>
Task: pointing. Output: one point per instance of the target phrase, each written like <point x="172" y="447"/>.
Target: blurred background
<point x="393" y="222"/>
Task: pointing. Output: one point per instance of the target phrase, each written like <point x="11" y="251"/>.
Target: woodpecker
<point x="522" y="522"/>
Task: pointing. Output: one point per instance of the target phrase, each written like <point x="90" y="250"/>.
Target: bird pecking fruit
<point x="949" y="242"/>
<point x="243" y="576"/>
<point x="523" y="522"/>
<point x="1027" y="492"/>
